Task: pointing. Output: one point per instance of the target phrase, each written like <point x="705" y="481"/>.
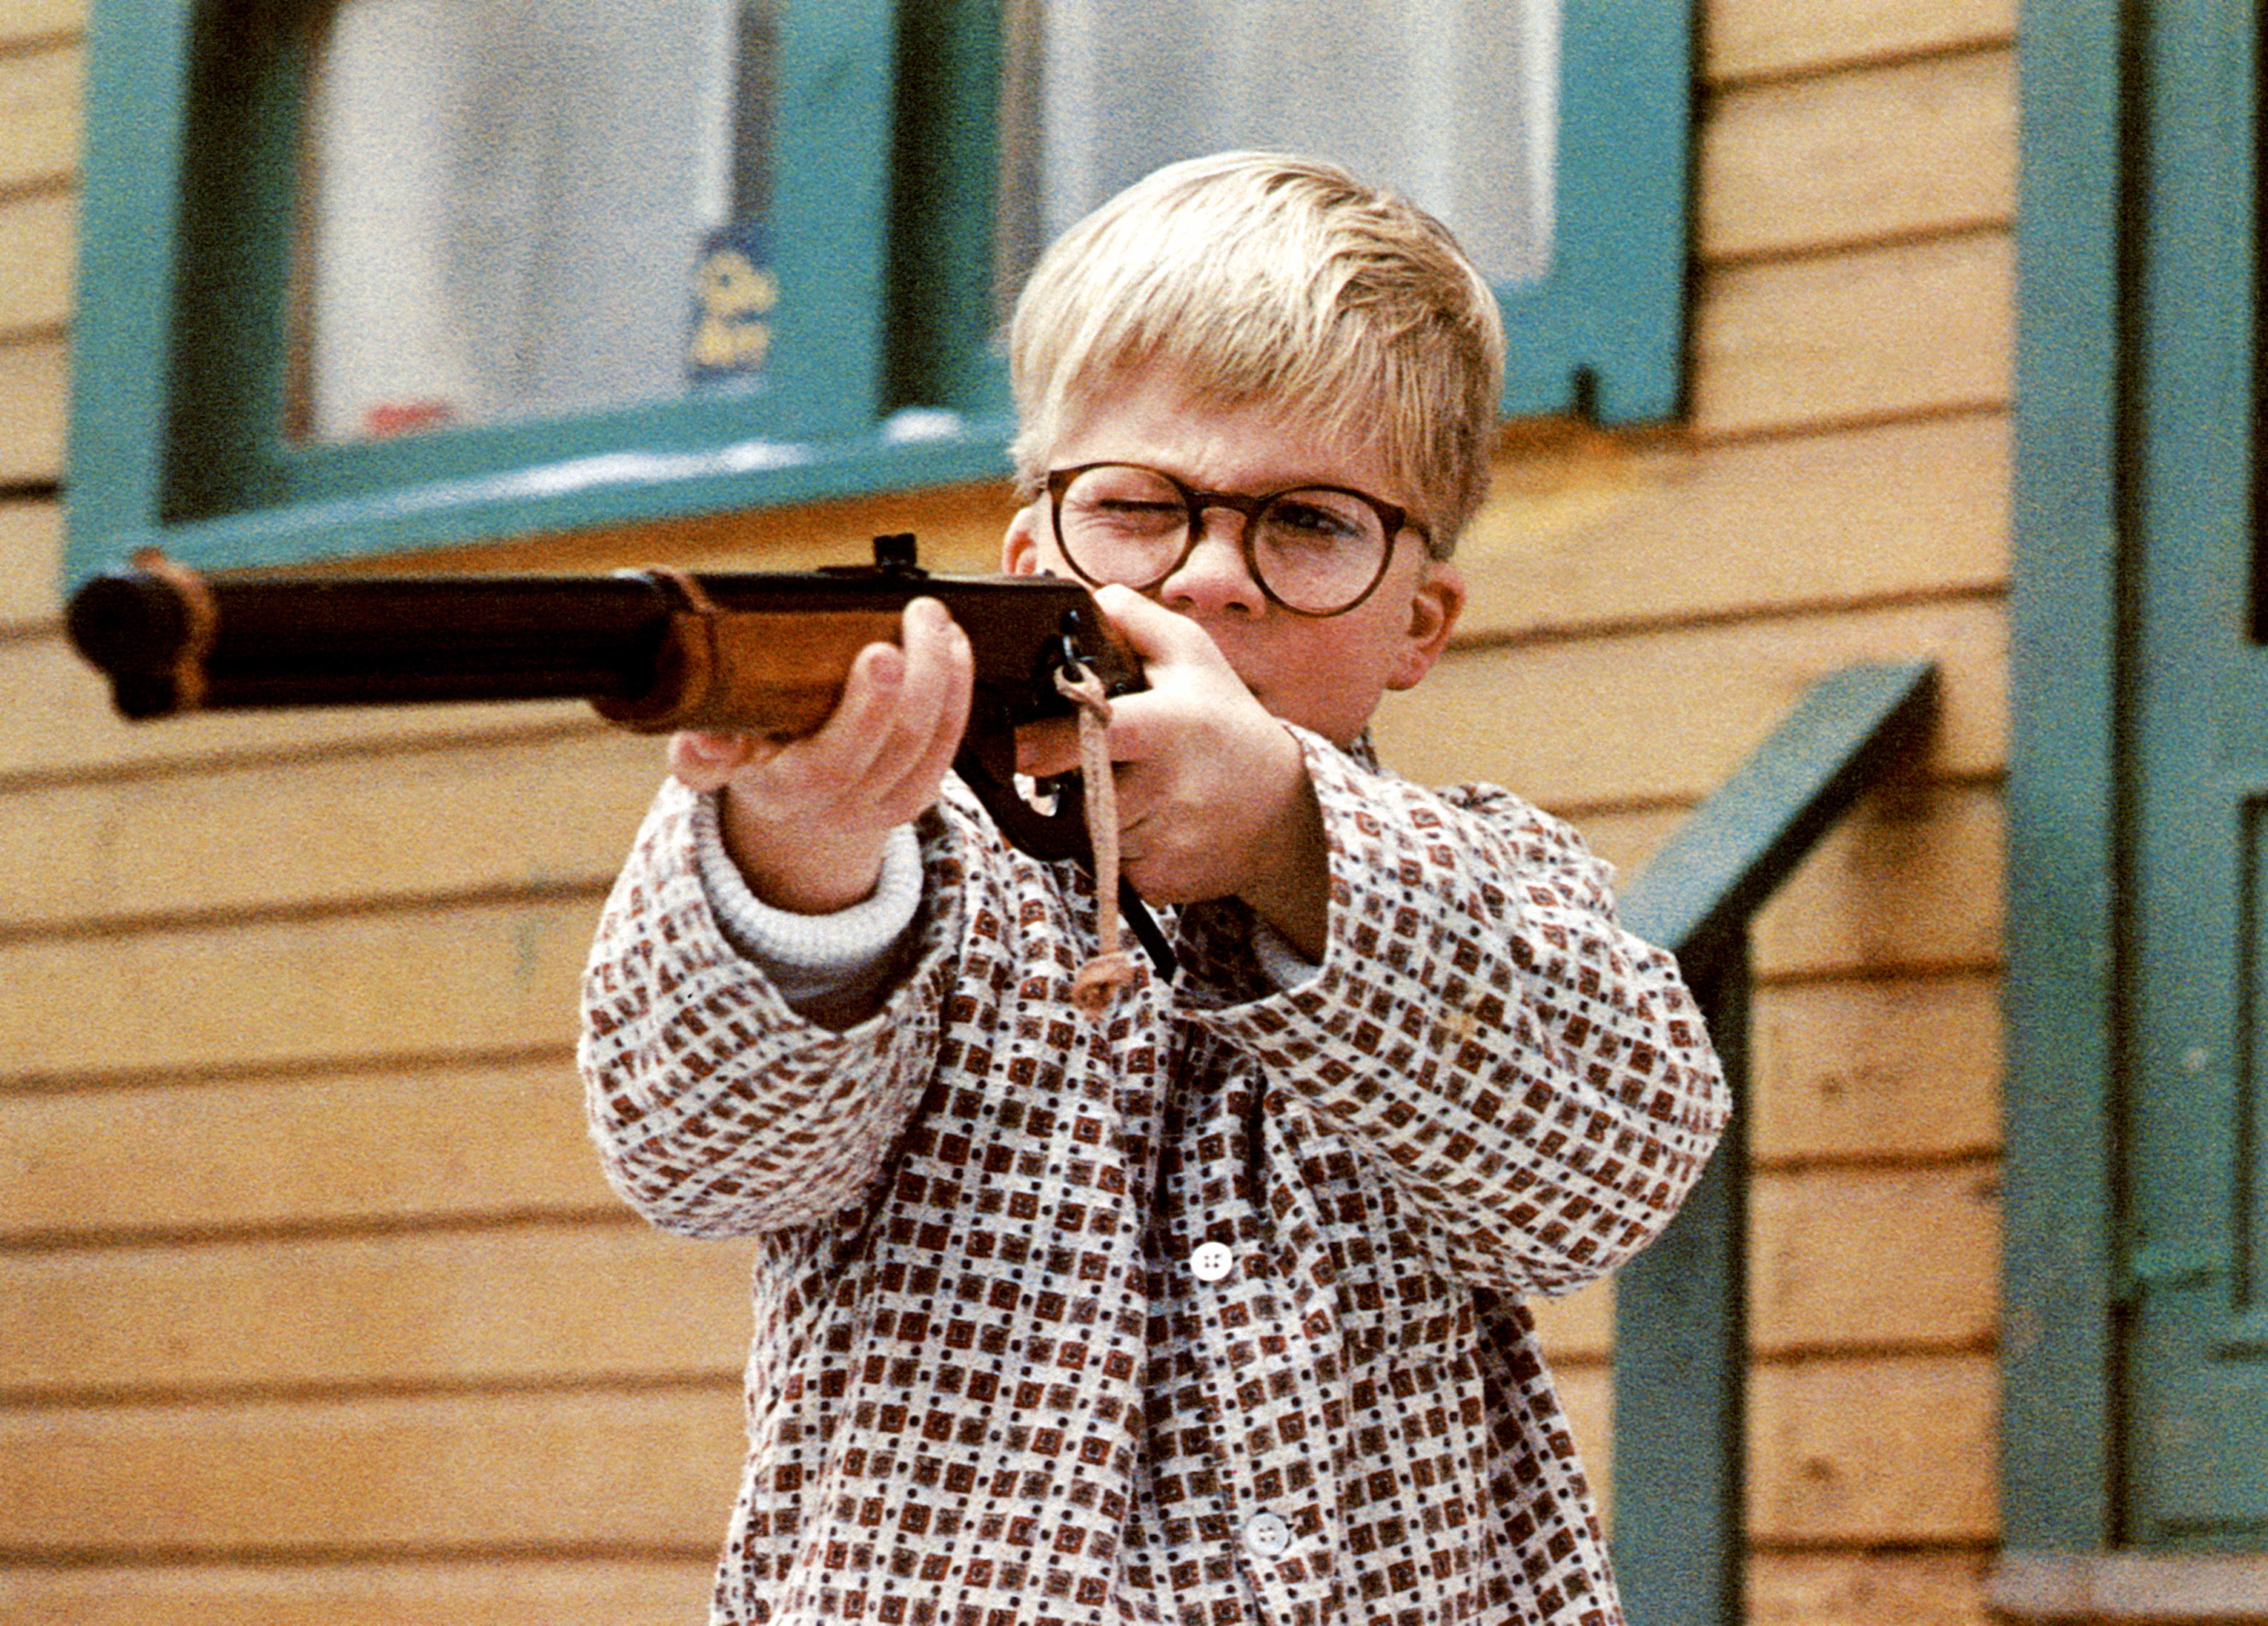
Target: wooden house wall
<point x="312" y="1306"/>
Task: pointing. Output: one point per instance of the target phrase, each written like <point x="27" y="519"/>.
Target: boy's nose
<point x="1214" y="577"/>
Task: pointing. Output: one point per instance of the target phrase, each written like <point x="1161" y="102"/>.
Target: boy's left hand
<point x="1214" y="799"/>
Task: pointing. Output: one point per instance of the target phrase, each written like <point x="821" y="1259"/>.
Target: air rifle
<point x="652" y="651"/>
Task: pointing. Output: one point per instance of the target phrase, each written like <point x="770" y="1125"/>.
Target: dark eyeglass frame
<point x="1247" y="510"/>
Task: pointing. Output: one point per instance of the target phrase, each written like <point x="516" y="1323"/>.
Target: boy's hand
<point x="807" y="821"/>
<point x="1214" y="799"/>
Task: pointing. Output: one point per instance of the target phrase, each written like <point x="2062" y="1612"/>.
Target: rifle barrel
<point x="288" y="642"/>
<point x="170" y="640"/>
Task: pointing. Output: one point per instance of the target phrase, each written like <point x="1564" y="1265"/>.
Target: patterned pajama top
<point x="1205" y="1310"/>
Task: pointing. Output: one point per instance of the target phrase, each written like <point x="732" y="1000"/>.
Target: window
<point x="367" y="274"/>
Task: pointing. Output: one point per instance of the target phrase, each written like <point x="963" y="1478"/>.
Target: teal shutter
<point x="2194" y="1234"/>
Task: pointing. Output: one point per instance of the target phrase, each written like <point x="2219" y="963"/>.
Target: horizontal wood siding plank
<point x="31" y="557"/>
<point x="479" y="979"/>
<point x="397" y="1144"/>
<point x="1858" y="156"/>
<point x="39" y="121"/>
<point x="1873" y="902"/>
<point x="516" y="1304"/>
<point x="1587" y="1395"/>
<point x="34" y="389"/>
<point x="532" y="1591"/>
<point x="64" y="726"/>
<point x="38" y="250"/>
<point x="606" y="1471"/>
<point x="1885" y="1259"/>
<point x="1868" y="1589"/>
<point x="1885" y="1450"/>
<point x="1873" y="334"/>
<point x="1748" y="38"/>
<point x="1844" y="1259"/>
<point x="1666" y="715"/>
<point x="542" y="812"/>
<point x="41" y="20"/>
<point x="1580" y="1327"/>
<point x="1586" y="533"/>
<point x="1901" y="1068"/>
<point x="1910" y="879"/>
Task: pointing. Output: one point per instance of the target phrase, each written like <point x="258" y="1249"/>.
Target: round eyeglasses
<point x="1315" y="550"/>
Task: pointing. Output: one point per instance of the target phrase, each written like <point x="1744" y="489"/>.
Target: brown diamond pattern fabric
<point x="996" y="1379"/>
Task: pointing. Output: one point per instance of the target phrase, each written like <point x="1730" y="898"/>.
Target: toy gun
<point x="652" y="651"/>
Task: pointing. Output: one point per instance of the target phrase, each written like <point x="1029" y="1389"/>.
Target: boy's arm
<point x="1533" y="1079"/>
<point x="807" y="821"/>
<point x="717" y="1108"/>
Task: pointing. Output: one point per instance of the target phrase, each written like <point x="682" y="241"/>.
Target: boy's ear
<point x="1435" y="604"/>
<point x="1019" y="549"/>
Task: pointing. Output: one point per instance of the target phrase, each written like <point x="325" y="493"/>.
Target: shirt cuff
<point x="812" y="959"/>
<point x="1280" y="963"/>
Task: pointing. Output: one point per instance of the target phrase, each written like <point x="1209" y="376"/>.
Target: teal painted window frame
<point x="2132" y="468"/>
<point x="2065" y="840"/>
<point x="887" y="155"/>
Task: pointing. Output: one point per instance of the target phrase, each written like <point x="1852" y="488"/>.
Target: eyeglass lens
<point x="1317" y="549"/>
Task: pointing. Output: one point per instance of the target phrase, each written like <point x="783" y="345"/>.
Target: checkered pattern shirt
<point x="1206" y="1310"/>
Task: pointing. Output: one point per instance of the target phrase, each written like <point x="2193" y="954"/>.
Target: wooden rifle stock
<point x="652" y="651"/>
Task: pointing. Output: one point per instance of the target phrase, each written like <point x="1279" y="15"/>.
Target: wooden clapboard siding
<point x="31" y="553"/>
<point x="1898" y="1256"/>
<point x="400" y="1592"/>
<point x="603" y="1468"/>
<point x="39" y="235"/>
<point x="35" y="22"/>
<point x="1874" y="1589"/>
<point x="1866" y="1070"/>
<point x="350" y="828"/>
<point x="1920" y="146"/>
<point x="1776" y="38"/>
<point x="1873" y="1450"/>
<point x="1875" y="333"/>
<point x="1663" y="714"/>
<point x="1913" y="896"/>
<point x="381" y="1309"/>
<point x="292" y="1152"/>
<point x="416" y="982"/>
<point x="1644" y="612"/>
<point x="1901" y="1257"/>
<point x="1583" y="535"/>
<point x="40" y="101"/>
<point x="33" y="392"/>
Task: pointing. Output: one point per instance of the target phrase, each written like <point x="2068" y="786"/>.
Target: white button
<point x="1211" y="1261"/>
<point x="1266" y="1535"/>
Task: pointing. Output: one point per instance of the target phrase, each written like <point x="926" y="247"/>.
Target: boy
<point x="1206" y="1307"/>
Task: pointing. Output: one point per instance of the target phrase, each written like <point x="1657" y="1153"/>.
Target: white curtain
<point x="509" y="197"/>
<point x="1452" y="102"/>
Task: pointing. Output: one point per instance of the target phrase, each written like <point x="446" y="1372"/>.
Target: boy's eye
<point x="1134" y="513"/>
<point x="1312" y="519"/>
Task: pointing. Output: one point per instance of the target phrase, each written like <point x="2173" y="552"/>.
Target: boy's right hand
<point x="807" y="821"/>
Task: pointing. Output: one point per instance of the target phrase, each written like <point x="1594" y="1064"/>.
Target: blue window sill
<point x="910" y="449"/>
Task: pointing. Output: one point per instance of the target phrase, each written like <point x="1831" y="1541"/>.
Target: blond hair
<point x="1262" y="277"/>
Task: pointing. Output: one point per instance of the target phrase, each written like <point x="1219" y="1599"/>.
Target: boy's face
<point x="1324" y="674"/>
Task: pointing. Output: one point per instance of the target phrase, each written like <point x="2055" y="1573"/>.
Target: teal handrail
<point x="1680" y="1308"/>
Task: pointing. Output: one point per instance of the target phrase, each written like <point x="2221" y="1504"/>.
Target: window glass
<point x="524" y="208"/>
<point x="1452" y="102"/>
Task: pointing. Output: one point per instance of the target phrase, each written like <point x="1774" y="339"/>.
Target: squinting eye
<point x="1130" y="513"/>
<point x="1313" y="518"/>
